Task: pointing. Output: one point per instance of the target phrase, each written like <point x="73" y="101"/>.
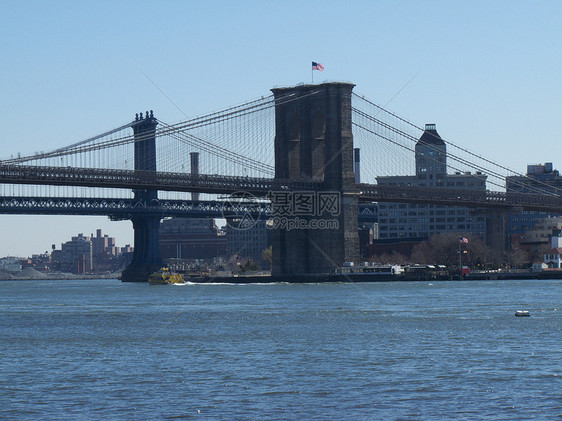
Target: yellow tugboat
<point x="164" y="277"/>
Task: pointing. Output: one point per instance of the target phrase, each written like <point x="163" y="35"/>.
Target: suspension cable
<point x="453" y="156"/>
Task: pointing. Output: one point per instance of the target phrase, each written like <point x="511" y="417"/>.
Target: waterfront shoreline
<point x="57" y="276"/>
<point x="366" y="277"/>
<point x="302" y="279"/>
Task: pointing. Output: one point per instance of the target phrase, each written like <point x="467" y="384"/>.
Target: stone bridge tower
<point x="314" y="142"/>
<point x="146" y="256"/>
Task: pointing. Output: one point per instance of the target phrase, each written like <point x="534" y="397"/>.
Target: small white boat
<point x="522" y="313"/>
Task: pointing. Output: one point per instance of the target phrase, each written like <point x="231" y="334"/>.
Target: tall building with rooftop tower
<point x="420" y="221"/>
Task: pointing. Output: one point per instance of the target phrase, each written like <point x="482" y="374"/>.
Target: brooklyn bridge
<point x="310" y="139"/>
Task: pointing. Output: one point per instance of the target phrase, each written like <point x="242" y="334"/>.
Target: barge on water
<point x="347" y="273"/>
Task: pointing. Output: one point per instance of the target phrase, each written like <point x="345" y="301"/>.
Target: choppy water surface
<point x="103" y="349"/>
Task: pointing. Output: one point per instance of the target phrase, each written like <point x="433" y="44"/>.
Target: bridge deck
<point x="219" y="184"/>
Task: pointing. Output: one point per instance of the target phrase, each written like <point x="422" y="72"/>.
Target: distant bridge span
<point x="313" y="139"/>
<point x="219" y="184"/>
<point x="147" y="180"/>
<point x="460" y="197"/>
<point x="126" y="208"/>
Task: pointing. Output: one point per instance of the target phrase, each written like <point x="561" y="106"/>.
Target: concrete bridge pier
<point x="146" y="257"/>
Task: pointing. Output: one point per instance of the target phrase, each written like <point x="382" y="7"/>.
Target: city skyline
<point x="58" y="246"/>
<point x="485" y="73"/>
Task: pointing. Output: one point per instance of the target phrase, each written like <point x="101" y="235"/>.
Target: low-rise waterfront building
<point x="126" y="249"/>
<point x="542" y="179"/>
<point x="536" y="239"/>
<point x="191" y="238"/>
<point x="77" y="255"/>
<point x="103" y="245"/>
<point x="553" y="257"/>
<point x="10" y="264"/>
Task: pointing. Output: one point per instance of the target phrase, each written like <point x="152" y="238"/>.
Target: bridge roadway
<point x="460" y="197"/>
<point x="148" y="180"/>
<point x="218" y="184"/>
<point x="125" y="208"/>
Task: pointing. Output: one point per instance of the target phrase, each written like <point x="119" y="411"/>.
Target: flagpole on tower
<point x="462" y="240"/>
<point x="460" y="260"/>
<point x="316" y="66"/>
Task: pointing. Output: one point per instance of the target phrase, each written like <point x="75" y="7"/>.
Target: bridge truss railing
<point x="460" y="197"/>
<point x="149" y="180"/>
<point x="126" y="208"/>
<point x="219" y="184"/>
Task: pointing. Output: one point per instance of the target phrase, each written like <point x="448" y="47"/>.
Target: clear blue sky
<point x="487" y="72"/>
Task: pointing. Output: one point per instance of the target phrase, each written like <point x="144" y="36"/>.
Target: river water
<point x="102" y="349"/>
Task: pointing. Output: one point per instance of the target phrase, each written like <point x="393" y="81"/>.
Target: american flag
<point x="464" y="240"/>
<point x="317" y="66"/>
